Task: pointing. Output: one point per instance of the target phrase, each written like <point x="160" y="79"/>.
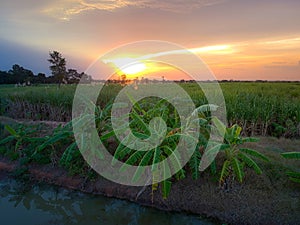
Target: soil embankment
<point x="257" y="201"/>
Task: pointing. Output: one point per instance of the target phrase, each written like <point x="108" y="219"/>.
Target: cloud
<point x="65" y="9"/>
<point x="279" y="63"/>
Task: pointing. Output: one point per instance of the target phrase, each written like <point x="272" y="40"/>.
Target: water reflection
<point x="44" y="204"/>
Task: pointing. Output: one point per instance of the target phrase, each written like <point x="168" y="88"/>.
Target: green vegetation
<point x="236" y="157"/>
<point x="253" y="108"/>
<point x="259" y="108"/>
<point x="293" y="175"/>
<point x="60" y="146"/>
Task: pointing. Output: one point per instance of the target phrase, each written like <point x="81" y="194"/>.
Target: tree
<point x="58" y="67"/>
<point x="20" y="75"/>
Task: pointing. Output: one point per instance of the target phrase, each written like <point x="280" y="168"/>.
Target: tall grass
<point x="260" y="108"/>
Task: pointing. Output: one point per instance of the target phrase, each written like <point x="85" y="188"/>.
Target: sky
<point x="237" y="39"/>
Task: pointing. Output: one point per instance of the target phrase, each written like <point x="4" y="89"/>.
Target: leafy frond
<point x="297" y="180"/>
<point x="225" y="171"/>
<point x="122" y="151"/>
<point x="135" y="157"/>
<point x="209" y="156"/>
<point x="69" y="154"/>
<point x="166" y="184"/>
<point x="11" y="130"/>
<point x="250" y="139"/>
<point x="140" y="123"/>
<point x="60" y="136"/>
<point x="291" y="155"/>
<point x="206" y="108"/>
<point x="293" y="174"/>
<point x="6" y="140"/>
<point x="254" y="153"/>
<point x="219" y="125"/>
<point x="236" y="166"/>
<point x="155" y="177"/>
<point x="141" y="167"/>
<point x="166" y="188"/>
<point x="213" y="167"/>
<point x="194" y="163"/>
<point x="175" y="160"/>
<point x="250" y="162"/>
<point x="156" y="158"/>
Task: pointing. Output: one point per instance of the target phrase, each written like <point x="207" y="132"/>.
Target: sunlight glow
<point x="127" y="66"/>
<point x="134" y="69"/>
<point x="212" y="49"/>
<point x="134" y="66"/>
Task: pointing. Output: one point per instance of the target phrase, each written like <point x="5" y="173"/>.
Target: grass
<point x="259" y="108"/>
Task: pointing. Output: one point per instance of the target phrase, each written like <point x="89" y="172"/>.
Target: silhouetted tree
<point x="123" y="79"/>
<point x="58" y="67"/>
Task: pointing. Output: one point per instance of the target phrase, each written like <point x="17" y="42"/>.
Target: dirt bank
<point x="260" y="200"/>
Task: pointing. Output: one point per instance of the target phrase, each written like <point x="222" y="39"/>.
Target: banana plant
<point x="140" y="116"/>
<point x="20" y="137"/>
<point x="293" y="175"/>
<point x="236" y="157"/>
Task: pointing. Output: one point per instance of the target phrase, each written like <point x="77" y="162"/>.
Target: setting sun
<point x="127" y="66"/>
<point x="134" y="69"/>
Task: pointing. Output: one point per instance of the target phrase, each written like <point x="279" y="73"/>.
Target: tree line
<point x="59" y="73"/>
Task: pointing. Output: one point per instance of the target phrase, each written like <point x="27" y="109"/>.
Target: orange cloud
<point x="65" y="9"/>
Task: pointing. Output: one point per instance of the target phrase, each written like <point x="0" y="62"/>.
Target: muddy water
<point x="44" y="204"/>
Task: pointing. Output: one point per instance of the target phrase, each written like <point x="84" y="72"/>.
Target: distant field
<point x="260" y="108"/>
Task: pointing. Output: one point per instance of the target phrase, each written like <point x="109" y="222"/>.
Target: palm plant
<point x="236" y="158"/>
<point x="140" y="116"/>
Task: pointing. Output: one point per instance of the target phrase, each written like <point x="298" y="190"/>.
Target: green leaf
<point x="206" y="107"/>
<point x="140" y="122"/>
<point x="291" y="155"/>
<point x="194" y="163"/>
<point x="54" y="139"/>
<point x="6" y="140"/>
<point x="293" y="174"/>
<point x="237" y="169"/>
<point x="141" y="167"/>
<point x="134" y="158"/>
<point x="107" y="135"/>
<point x="118" y="154"/>
<point x="175" y="160"/>
<point x="68" y="154"/>
<point x="297" y="180"/>
<point x="219" y="125"/>
<point x="135" y="104"/>
<point x="140" y="135"/>
<point x="209" y="155"/>
<point x="250" y="162"/>
<point x="166" y="188"/>
<point x="254" y="153"/>
<point x="224" y="171"/>
<point x="213" y="167"/>
<point x="236" y="130"/>
<point x="155" y="177"/>
<point x="250" y="139"/>
<point x="156" y="158"/>
<point x="11" y="130"/>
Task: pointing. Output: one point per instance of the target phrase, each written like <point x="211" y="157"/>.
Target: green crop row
<point x="225" y="157"/>
<point x="259" y="108"/>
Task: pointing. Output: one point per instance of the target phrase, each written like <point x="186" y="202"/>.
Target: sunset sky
<point x="238" y="39"/>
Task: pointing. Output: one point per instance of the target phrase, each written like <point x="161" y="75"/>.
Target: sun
<point x="134" y="68"/>
<point x="128" y="66"/>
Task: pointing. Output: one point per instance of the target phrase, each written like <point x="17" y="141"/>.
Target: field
<point x="36" y="128"/>
<point x="266" y="109"/>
